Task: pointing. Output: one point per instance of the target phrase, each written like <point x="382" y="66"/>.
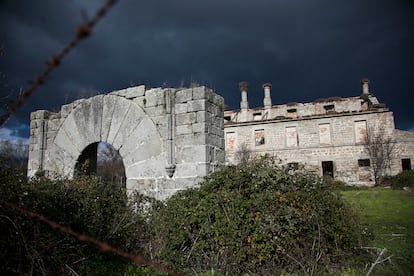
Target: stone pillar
<point x="267" y="101"/>
<point x="244" y="104"/>
<point x="365" y="88"/>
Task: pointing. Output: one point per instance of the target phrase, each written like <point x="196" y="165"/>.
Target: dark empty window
<point x="327" y="168"/>
<point x="292" y="110"/>
<point x="406" y="164"/>
<point x="228" y="118"/>
<point x="364" y="163"/>
<point x="257" y="116"/>
<point x="329" y="107"/>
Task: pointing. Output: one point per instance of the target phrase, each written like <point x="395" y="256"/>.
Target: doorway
<point x="328" y="168"/>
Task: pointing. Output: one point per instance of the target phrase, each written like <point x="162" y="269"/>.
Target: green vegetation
<point x="262" y="219"/>
<point x="390" y="215"/>
<point x="258" y="218"/>
<point x="402" y="180"/>
<point x="86" y="205"/>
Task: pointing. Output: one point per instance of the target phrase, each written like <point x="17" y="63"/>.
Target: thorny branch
<point x="104" y="247"/>
<point x="83" y="31"/>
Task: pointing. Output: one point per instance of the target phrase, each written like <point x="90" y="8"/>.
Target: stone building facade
<point x="327" y="136"/>
<point x="169" y="139"/>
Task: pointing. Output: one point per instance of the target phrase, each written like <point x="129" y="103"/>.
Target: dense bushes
<point x="401" y="180"/>
<point x="259" y="218"/>
<point x="85" y="205"/>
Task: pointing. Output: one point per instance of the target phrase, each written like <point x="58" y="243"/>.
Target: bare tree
<point x="14" y="154"/>
<point x="244" y="155"/>
<point x="380" y="148"/>
<point x="110" y="166"/>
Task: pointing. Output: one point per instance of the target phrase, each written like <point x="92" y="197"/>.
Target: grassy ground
<point x="390" y="216"/>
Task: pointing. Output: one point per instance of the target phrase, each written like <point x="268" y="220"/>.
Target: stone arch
<point x="114" y="120"/>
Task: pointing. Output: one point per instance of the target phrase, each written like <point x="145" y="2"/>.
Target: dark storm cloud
<point x="307" y="49"/>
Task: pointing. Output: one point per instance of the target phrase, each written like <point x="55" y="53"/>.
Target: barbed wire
<point x="83" y="31"/>
<point x="104" y="247"/>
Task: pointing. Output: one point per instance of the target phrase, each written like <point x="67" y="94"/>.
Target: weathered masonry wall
<point x="310" y="142"/>
<point x="327" y="135"/>
<point x="169" y="139"/>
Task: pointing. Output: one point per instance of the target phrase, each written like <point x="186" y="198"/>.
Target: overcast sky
<point x="307" y="49"/>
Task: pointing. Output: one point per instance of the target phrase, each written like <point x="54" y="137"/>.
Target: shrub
<point x="338" y="185"/>
<point x="87" y="206"/>
<point x="401" y="180"/>
<point x="258" y="219"/>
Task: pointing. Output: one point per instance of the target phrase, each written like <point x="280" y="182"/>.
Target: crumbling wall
<point x="169" y="139"/>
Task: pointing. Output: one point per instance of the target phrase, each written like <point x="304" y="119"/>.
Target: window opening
<point x="364" y="163"/>
<point x="406" y="164"/>
<point x="259" y="137"/>
<point x="327" y="168"/>
<point x="292" y="139"/>
<point x="257" y="116"/>
<point x="361" y="134"/>
<point x="230" y="141"/>
<point x="324" y="134"/>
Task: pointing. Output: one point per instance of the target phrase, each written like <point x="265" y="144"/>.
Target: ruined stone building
<point x="169" y="139"/>
<point x="328" y="136"/>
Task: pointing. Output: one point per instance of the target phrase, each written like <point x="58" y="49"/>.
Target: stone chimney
<point x="267" y="101"/>
<point x="244" y="104"/>
<point x="365" y="88"/>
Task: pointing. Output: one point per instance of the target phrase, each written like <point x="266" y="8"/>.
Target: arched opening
<point x="104" y="161"/>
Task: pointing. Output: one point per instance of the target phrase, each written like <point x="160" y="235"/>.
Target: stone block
<point x="39" y="114"/>
<point x="199" y="128"/>
<point x="190" y="139"/>
<point x="183" y="129"/>
<point x="200" y="93"/>
<point x="185" y="119"/>
<point x="195" y="153"/>
<point x="140" y="101"/>
<point x="130" y="93"/>
<point x="155" y="110"/>
<point x="181" y="108"/>
<point x="63" y="142"/>
<point x="149" y="168"/>
<point x="115" y="119"/>
<point x="183" y="96"/>
<point x="186" y="170"/>
<point x="202" y="116"/>
<point x="134" y="92"/>
<point x="144" y="143"/>
<point x="196" y="105"/>
<point x="130" y="124"/>
<point x="154" y="97"/>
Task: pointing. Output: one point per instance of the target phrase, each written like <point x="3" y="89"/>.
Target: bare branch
<point x="381" y="150"/>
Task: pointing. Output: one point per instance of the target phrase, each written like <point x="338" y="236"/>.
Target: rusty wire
<point x="83" y="31"/>
<point x="104" y="247"/>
